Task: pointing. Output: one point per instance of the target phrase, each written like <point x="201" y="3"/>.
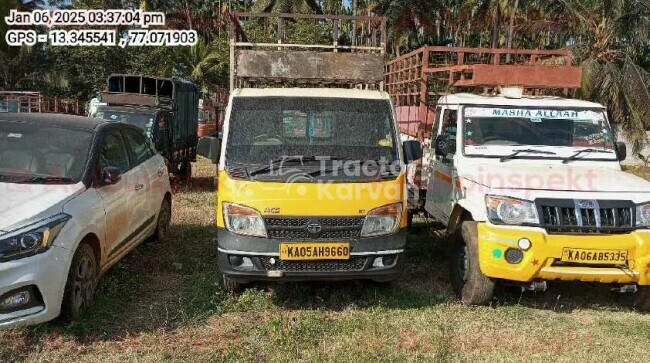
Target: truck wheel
<point x="164" y="218"/>
<point x="185" y="172"/>
<point x="639" y="300"/>
<point x="231" y="286"/>
<point x="467" y="280"/>
<point x="82" y="280"/>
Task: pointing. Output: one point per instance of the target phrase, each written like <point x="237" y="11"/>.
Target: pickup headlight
<point x="32" y="239"/>
<point x="505" y="210"/>
<point x="643" y="215"/>
<point x="382" y="220"/>
<point x="244" y="220"/>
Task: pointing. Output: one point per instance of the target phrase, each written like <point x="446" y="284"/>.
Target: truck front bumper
<point x="543" y="261"/>
<point x="246" y="259"/>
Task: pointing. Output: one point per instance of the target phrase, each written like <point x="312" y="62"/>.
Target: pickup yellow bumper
<point x="543" y="260"/>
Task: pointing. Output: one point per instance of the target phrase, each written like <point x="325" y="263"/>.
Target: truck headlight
<point x="244" y="220"/>
<point x="31" y="239"/>
<point x="643" y="215"/>
<point x="505" y="210"/>
<point x="382" y="220"/>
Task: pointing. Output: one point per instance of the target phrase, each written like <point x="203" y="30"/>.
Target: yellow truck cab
<point x="311" y="180"/>
<point x="531" y="190"/>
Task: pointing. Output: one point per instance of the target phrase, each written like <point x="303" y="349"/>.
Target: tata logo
<point x="587" y="204"/>
<point x="314" y="227"/>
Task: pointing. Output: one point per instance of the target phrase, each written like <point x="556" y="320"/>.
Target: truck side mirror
<point x="621" y="150"/>
<point x="208" y="147"/>
<point x="444" y="145"/>
<point x="412" y="150"/>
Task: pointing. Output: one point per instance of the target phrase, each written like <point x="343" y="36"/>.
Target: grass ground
<point x="164" y="303"/>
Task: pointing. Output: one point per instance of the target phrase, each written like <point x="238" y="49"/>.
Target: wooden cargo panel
<point x="306" y="65"/>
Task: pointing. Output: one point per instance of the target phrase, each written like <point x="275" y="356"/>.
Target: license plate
<point x="613" y="257"/>
<point x="315" y="251"/>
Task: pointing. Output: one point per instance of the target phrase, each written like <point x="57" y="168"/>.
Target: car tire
<point x="470" y="285"/>
<point x="231" y="286"/>
<point x="639" y="300"/>
<point x="82" y="280"/>
<point x="164" y="219"/>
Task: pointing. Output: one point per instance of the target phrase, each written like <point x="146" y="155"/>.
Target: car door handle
<point x="139" y="187"/>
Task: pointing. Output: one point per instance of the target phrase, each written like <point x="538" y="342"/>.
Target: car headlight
<point x="244" y="220"/>
<point x="643" y="215"/>
<point x="31" y="239"/>
<point x="382" y="220"/>
<point x="505" y="210"/>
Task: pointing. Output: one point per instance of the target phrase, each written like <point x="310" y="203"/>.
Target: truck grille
<point x="585" y="216"/>
<point x="353" y="264"/>
<point x="314" y="227"/>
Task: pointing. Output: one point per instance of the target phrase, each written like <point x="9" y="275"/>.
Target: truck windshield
<point x="143" y="120"/>
<point x="502" y="130"/>
<point x="41" y="154"/>
<point x="263" y="129"/>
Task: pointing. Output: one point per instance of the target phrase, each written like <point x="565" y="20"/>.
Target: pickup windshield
<point x="504" y="130"/>
<point x="41" y="154"/>
<point x="144" y="120"/>
<point x="263" y="130"/>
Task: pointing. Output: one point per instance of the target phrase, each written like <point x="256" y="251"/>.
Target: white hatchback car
<point x="76" y="195"/>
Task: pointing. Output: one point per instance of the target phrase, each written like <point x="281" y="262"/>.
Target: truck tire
<point x="467" y="280"/>
<point x="231" y="286"/>
<point x="83" y="275"/>
<point x="185" y="172"/>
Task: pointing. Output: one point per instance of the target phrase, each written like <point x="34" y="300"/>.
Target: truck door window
<point x="449" y="127"/>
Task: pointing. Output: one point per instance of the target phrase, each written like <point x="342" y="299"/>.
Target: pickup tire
<point x="231" y="286"/>
<point x="467" y="280"/>
<point x="639" y="300"/>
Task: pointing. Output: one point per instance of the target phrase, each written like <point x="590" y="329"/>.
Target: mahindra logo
<point x="314" y="227"/>
<point x="587" y="204"/>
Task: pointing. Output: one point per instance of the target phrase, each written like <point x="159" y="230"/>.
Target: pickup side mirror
<point x="111" y="175"/>
<point x="412" y="150"/>
<point x="621" y="150"/>
<point x="209" y="147"/>
<point x="444" y="145"/>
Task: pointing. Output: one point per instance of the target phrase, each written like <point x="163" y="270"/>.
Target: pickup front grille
<point x="586" y="216"/>
<point x="353" y="264"/>
<point x="314" y="228"/>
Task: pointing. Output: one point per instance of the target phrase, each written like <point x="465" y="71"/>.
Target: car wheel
<point x="82" y="281"/>
<point x="468" y="282"/>
<point x="231" y="286"/>
<point x="164" y="219"/>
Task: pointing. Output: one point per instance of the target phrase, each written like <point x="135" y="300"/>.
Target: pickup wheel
<point x="164" y="218"/>
<point x="639" y="300"/>
<point x="231" y="286"/>
<point x="79" y="291"/>
<point x="467" y="280"/>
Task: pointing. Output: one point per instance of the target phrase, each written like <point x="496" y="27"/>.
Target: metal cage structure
<point x="343" y="50"/>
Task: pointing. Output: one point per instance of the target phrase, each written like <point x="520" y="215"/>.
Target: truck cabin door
<point x="443" y="179"/>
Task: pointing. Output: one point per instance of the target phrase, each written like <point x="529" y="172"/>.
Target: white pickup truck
<point x="530" y="189"/>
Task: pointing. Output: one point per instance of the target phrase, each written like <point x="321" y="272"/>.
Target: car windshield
<point x="502" y="130"/>
<point x="143" y="120"/>
<point x="38" y="153"/>
<point x="265" y="129"/>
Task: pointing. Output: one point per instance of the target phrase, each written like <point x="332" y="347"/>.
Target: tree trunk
<point x="511" y="29"/>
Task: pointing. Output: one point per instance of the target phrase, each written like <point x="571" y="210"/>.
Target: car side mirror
<point x="621" y="150"/>
<point x="209" y="147"/>
<point x="412" y="150"/>
<point x="111" y="175"/>
<point x="444" y="145"/>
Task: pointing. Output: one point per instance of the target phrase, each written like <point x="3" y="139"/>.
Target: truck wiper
<point x="582" y="151"/>
<point x="46" y="179"/>
<point x="279" y="161"/>
<point x="529" y="151"/>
